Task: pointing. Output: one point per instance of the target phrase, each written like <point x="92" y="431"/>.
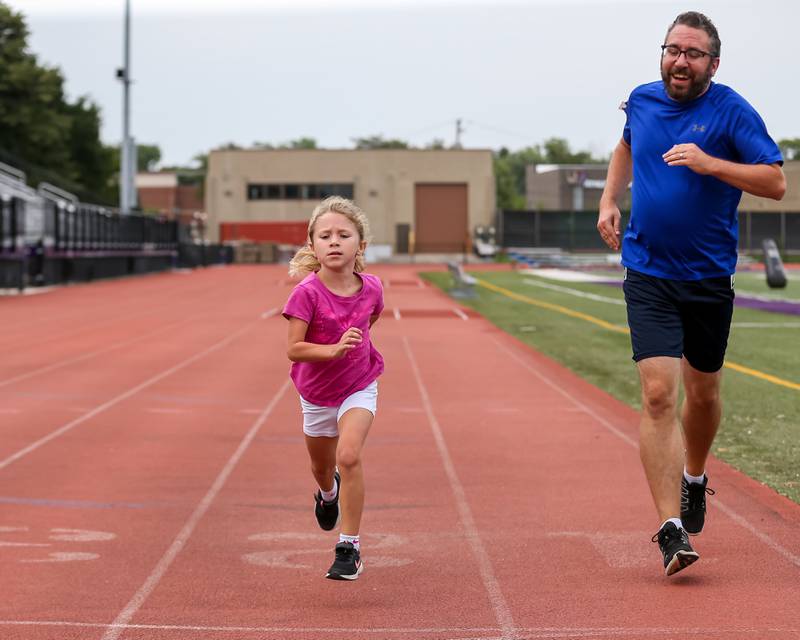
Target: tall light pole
<point x="126" y="151"/>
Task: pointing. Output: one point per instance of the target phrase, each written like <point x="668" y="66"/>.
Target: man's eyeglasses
<point x="674" y="51"/>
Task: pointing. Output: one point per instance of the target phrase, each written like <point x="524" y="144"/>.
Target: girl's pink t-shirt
<point x="328" y="315"/>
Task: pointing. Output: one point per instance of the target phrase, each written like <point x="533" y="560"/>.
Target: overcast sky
<point x="208" y="72"/>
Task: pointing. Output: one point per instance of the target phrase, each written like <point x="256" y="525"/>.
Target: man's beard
<point x="698" y="83"/>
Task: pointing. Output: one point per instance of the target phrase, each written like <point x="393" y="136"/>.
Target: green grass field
<point x="760" y="430"/>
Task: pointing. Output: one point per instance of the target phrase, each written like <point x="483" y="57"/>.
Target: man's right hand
<point x="608" y="225"/>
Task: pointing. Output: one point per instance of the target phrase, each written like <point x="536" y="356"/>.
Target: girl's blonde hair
<point x="304" y="261"/>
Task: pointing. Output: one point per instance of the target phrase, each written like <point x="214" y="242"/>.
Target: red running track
<point x="154" y="484"/>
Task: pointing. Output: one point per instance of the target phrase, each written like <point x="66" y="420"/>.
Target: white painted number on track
<point x="22" y="538"/>
<point x="291" y="546"/>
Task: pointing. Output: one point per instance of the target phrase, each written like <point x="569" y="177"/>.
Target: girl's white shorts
<point x="324" y="421"/>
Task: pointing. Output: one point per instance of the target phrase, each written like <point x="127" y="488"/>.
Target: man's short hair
<point x="699" y="21"/>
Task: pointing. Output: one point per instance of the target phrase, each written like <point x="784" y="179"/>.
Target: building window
<point x="298" y="191"/>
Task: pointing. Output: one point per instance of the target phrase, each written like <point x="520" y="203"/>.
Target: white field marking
<point x="526" y="633"/>
<point x="420" y="284"/>
<point x="13" y="529"/>
<point x="123" y="396"/>
<point x="738" y="519"/>
<point x="27" y="291"/>
<point x="165" y="410"/>
<point x="397" y="315"/>
<point x="281" y="557"/>
<point x="87" y="356"/>
<point x="566" y="275"/>
<point x="64" y="556"/>
<point x="81" y="535"/>
<point x="501" y="609"/>
<point x="460" y="313"/>
<point x="765" y="325"/>
<point x="574" y="292"/>
<point x="138" y="599"/>
<point x="24" y="544"/>
<point x="269" y="313"/>
<point x="763" y="297"/>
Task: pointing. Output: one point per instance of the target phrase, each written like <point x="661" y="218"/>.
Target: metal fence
<point x="47" y="235"/>
<point x="577" y="230"/>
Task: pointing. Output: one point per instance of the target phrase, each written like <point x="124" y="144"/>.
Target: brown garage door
<point x="440" y="217"/>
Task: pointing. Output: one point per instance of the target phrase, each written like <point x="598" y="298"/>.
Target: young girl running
<point x="335" y="366"/>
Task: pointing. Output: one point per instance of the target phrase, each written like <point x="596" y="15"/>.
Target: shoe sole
<point x="681" y="560"/>
<point x="339" y="576"/>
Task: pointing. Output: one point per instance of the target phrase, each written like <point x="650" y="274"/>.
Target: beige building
<point x="566" y="187"/>
<point x="790" y="202"/>
<point x="576" y="187"/>
<point x="421" y="200"/>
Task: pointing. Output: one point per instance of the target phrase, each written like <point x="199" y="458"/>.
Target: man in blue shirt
<point x="691" y="147"/>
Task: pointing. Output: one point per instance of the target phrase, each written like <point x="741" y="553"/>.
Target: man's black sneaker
<point x="693" y="505"/>
<point x="328" y="512"/>
<point x="674" y="544"/>
<point x="347" y="565"/>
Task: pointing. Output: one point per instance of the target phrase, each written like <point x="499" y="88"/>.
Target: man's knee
<point x="703" y="399"/>
<point x="659" y="400"/>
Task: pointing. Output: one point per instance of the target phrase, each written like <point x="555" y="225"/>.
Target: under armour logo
<point x="699" y="127"/>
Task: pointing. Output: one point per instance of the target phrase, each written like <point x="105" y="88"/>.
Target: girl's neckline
<point x="339" y="295"/>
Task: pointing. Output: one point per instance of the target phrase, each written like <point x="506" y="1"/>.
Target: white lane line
<point x="501" y="609"/>
<point x="571" y="398"/>
<point x="397" y="313"/>
<point x="574" y="292"/>
<point x="460" y="313"/>
<point x="123" y="396"/>
<point x="765" y="325"/>
<point x="119" y="624"/>
<point x="763" y="297"/>
<point x="270" y="313"/>
<point x="87" y="356"/>
<point x="738" y="519"/>
<point x="528" y="632"/>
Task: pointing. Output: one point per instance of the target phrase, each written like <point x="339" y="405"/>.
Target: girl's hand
<point x="350" y="340"/>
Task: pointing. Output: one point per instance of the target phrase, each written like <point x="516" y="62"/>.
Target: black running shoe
<point x="328" y="512"/>
<point x="693" y="505"/>
<point x="674" y="544"/>
<point x="347" y="565"/>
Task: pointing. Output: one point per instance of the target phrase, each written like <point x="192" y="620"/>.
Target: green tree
<point x="790" y="148"/>
<point x="40" y="131"/>
<point x="303" y="143"/>
<point x="379" y="142"/>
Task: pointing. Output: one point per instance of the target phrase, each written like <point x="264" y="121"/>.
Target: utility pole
<point x="127" y="153"/>
<point x="459" y="131"/>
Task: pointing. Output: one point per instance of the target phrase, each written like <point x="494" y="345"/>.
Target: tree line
<point x="53" y="139"/>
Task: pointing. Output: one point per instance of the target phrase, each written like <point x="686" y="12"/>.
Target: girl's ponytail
<point x="304" y="262"/>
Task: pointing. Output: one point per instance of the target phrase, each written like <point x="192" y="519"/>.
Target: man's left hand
<point x="691" y="156"/>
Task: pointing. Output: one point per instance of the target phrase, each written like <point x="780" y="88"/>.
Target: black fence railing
<point x="12" y="226"/>
<point x="70" y="228"/>
<point x="577" y="230"/>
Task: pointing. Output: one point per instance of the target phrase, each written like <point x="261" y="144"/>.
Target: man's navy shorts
<point x="675" y="318"/>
